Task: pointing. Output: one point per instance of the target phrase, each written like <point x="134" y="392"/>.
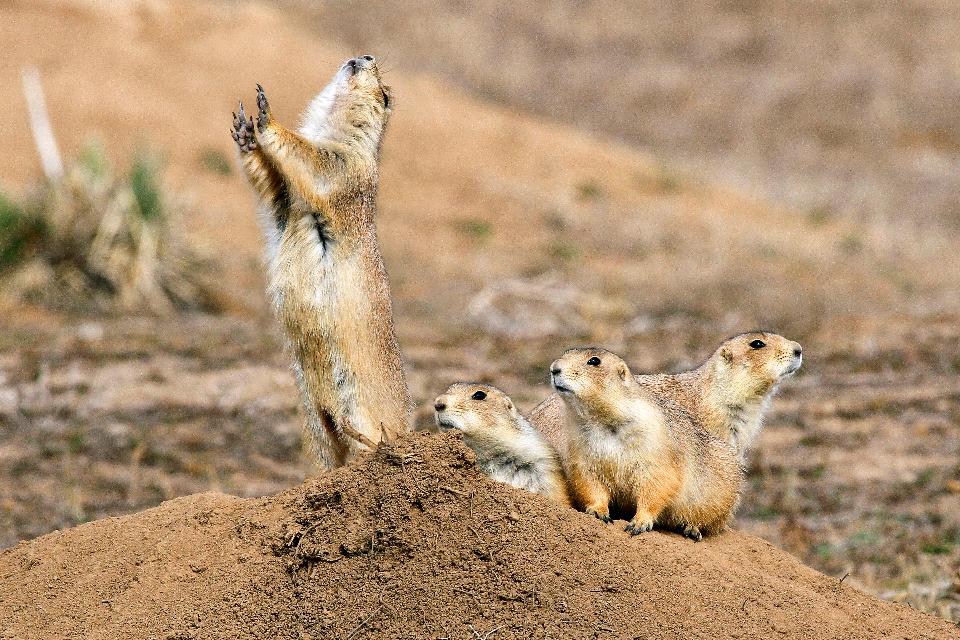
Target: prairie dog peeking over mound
<point x="317" y="200"/>
<point x="624" y="448"/>
<point x="727" y="395"/>
<point x="508" y="449"/>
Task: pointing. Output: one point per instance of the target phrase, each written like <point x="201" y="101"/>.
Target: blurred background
<point x="652" y="178"/>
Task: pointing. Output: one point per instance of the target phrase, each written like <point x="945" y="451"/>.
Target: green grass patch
<point x="145" y="184"/>
<point x="767" y="512"/>
<point x="475" y="228"/>
<point x="75" y="442"/>
<point x="589" y="190"/>
<point x="91" y="241"/>
<point x="936" y="548"/>
<point x="813" y="473"/>
<point x="812" y="440"/>
<point x="668" y="181"/>
<point x="863" y="539"/>
<point x="563" y="251"/>
<point x="93" y="159"/>
<point x="20" y="231"/>
<point x="924" y="478"/>
<point x="819" y="216"/>
<point x="851" y="245"/>
<point x="216" y="162"/>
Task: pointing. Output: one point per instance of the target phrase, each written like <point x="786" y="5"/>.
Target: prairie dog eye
<point x="758" y="344"/>
<point x="479" y="395"/>
<point x="594" y="361"/>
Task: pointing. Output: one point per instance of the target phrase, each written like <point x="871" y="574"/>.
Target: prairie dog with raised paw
<point x="317" y="192"/>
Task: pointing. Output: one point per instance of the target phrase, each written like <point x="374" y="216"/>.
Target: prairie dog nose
<point x="355" y="65"/>
<point x="360" y="62"/>
<point x="439" y="406"/>
<point x="555" y="370"/>
<point x="797" y="349"/>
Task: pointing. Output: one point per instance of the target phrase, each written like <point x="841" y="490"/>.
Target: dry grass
<point x="90" y="241"/>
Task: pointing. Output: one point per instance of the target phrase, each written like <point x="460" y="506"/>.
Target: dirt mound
<point x="414" y="540"/>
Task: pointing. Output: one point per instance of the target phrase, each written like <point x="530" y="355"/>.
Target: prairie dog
<point x="317" y="200"/>
<point x="508" y="449"/>
<point x="727" y="395"/>
<point x="625" y="448"/>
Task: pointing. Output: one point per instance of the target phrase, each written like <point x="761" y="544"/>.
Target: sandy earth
<point x="508" y="238"/>
<point x="415" y="542"/>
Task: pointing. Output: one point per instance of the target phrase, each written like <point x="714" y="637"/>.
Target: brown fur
<point x="508" y="449"/>
<point x="727" y="395"/>
<point x="317" y="191"/>
<point x="627" y="449"/>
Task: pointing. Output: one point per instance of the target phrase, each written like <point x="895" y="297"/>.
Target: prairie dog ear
<point x="509" y="403"/>
<point x="624" y="372"/>
<point x="726" y="354"/>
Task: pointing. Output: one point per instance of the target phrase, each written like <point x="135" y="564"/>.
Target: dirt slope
<point x="472" y="192"/>
<point x="846" y="107"/>
<point x="414" y="541"/>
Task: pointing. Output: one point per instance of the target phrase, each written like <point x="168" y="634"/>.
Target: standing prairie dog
<point x="508" y="449"/>
<point x="625" y="448"/>
<point x="317" y="200"/>
<point x="727" y="395"/>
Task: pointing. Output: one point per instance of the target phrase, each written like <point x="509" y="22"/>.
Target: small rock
<point x="513" y="516"/>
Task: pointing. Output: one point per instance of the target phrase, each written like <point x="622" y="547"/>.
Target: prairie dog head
<point x="476" y="409"/>
<point x="751" y="364"/>
<point x="593" y="381"/>
<point x="355" y="101"/>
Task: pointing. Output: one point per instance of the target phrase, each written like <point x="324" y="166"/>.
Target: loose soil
<point x="413" y="541"/>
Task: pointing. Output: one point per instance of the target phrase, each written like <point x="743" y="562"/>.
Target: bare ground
<point x="414" y="540"/>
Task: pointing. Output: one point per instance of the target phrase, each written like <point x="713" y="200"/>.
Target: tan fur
<point x="317" y="191"/>
<point x="508" y="449"/>
<point x="727" y="395"/>
<point x="626" y="448"/>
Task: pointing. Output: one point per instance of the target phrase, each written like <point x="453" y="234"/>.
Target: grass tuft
<point x="216" y="162"/>
<point x="936" y="548"/>
<point x="145" y="184"/>
<point x="93" y="160"/>
<point x="19" y="231"/>
<point x="475" y="228"/>
<point x="589" y="190"/>
<point x="667" y="180"/>
<point x="92" y="242"/>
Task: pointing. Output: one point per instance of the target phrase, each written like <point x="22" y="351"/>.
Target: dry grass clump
<point x="93" y="241"/>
